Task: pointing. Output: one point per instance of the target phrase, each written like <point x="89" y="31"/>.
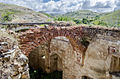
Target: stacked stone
<point x="32" y="38"/>
<point x="13" y="63"/>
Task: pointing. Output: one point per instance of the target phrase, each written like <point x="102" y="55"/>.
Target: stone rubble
<point x="13" y="63"/>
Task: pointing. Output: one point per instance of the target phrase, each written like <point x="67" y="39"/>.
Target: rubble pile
<point x="13" y="63"/>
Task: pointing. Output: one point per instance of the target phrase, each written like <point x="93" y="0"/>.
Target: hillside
<point x="112" y="19"/>
<point x="80" y="17"/>
<point x="14" y="13"/>
<point x="81" y="14"/>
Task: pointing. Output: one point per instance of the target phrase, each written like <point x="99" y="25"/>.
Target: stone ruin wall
<point x="101" y="60"/>
<point x="98" y="60"/>
<point x="97" y="64"/>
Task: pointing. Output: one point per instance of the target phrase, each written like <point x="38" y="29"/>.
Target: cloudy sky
<point x="63" y="6"/>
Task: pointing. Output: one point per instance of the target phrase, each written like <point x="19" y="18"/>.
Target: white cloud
<point x="63" y="6"/>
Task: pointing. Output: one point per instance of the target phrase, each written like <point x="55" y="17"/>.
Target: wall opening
<point x="37" y="64"/>
<point x="55" y="63"/>
<point x="50" y="51"/>
<point x="86" y="77"/>
<point x="50" y="57"/>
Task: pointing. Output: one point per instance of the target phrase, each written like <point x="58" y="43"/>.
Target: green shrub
<point x="77" y="21"/>
<point x="97" y="17"/>
<point x="100" y="22"/>
<point x="6" y="16"/>
<point x="85" y="21"/>
<point x="96" y="22"/>
<point x="118" y="25"/>
<point x="61" y="18"/>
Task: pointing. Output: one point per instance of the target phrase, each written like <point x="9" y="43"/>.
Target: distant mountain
<point x="13" y="13"/>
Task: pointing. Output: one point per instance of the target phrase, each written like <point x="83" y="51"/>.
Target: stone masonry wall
<point x="68" y="52"/>
<point x="100" y="59"/>
<point x="77" y="51"/>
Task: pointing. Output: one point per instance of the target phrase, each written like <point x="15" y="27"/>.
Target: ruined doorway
<point x="55" y="66"/>
<point x="62" y="51"/>
<point x="37" y="66"/>
<point x="55" y="63"/>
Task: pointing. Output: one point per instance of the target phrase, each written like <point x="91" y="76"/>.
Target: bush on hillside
<point x="6" y="16"/>
<point x="62" y="19"/>
<point x="77" y="21"/>
<point x="100" y="22"/>
<point x="85" y="21"/>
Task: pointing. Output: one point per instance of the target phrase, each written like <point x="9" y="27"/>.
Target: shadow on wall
<point x="39" y="73"/>
<point x="37" y="65"/>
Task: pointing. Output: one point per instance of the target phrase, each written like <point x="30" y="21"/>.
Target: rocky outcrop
<point x="13" y="63"/>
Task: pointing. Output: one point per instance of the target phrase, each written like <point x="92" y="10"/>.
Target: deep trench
<point x="40" y="74"/>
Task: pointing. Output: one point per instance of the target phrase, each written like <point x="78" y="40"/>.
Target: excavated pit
<point x="76" y="52"/>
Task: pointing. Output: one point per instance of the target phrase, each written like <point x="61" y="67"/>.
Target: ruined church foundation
<point x="79" y="52"/>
